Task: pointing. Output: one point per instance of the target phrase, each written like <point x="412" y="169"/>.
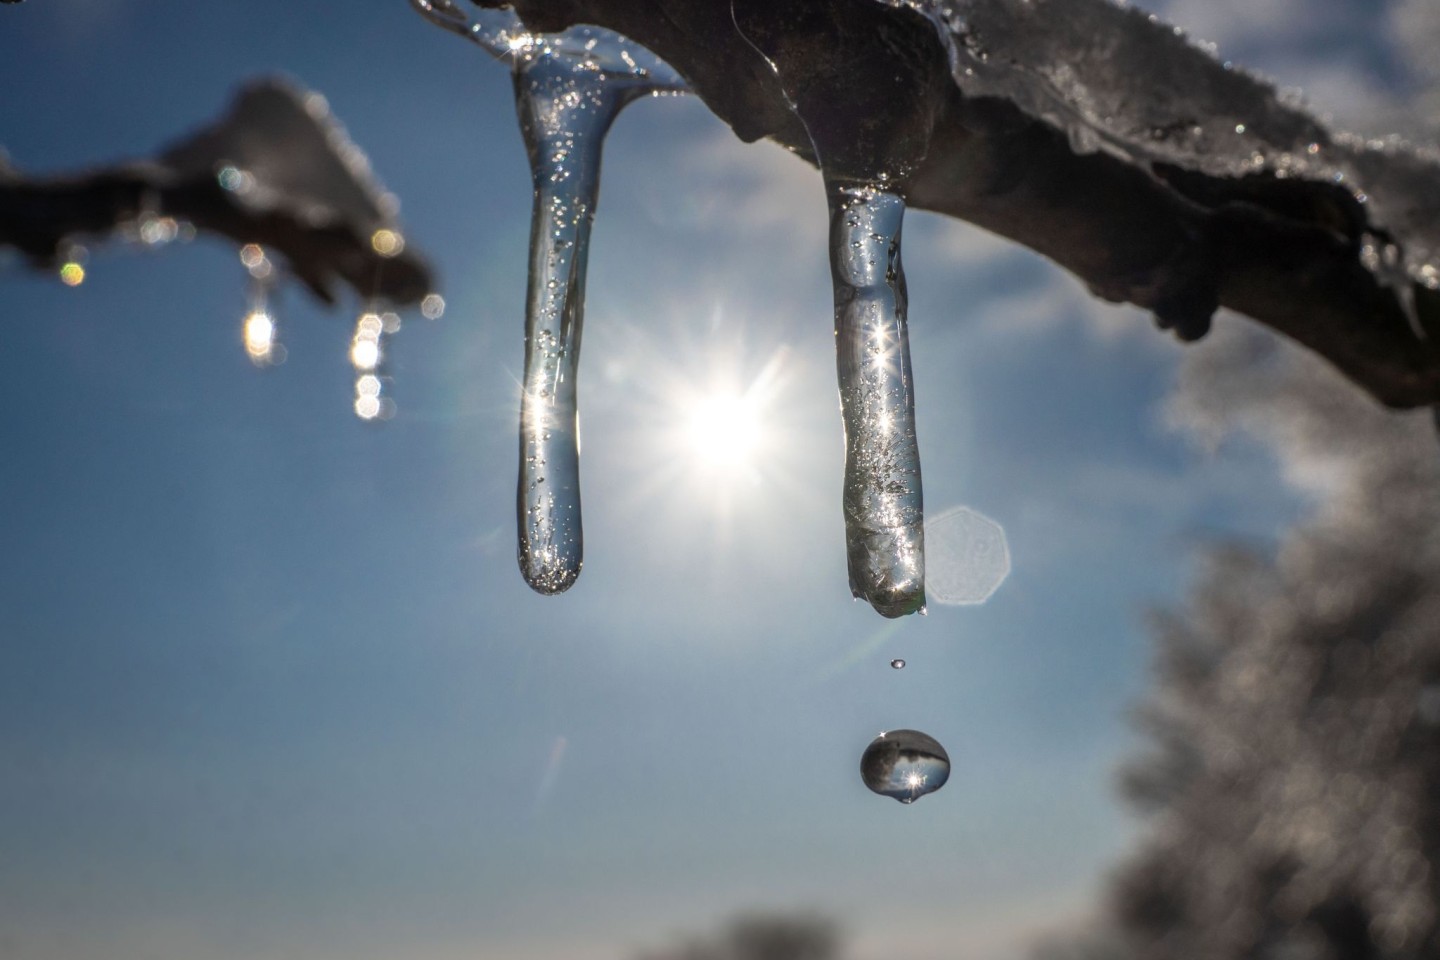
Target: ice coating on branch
<point x="1075" y="64"/>
<point x="569" y="87"/>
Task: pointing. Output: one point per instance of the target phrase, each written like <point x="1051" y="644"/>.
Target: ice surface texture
<point x="1097" y="136"/>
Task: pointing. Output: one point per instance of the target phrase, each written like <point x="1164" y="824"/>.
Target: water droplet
<point x="904" y="765"/>
<point x="898" y="664"/>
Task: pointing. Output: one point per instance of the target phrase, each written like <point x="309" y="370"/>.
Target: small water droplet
<point x="898" y="664"/>
<point x="904" y="765"/>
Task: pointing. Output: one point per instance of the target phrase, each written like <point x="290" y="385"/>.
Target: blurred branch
<point x="762" y="937"/>
<point x="1096" y="137"/>
<point x="275" y="170"/>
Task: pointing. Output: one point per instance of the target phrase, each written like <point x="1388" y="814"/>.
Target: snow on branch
<point x="276" y="170"/>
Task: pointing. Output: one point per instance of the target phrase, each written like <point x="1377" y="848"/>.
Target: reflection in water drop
<point x="968" y="557"/>
<point x="904" y="765"/>
<point x="898" y="664"/>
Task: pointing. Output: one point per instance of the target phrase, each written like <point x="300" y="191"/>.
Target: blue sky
<point x="271" y="685"/>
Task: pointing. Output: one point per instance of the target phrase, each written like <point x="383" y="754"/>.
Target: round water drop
<point x="905" y="765"/>
<point x="898" y="664"/>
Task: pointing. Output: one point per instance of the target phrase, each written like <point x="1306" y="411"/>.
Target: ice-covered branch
<point x="276" y="170"/>
<point x="1097" y="136"/>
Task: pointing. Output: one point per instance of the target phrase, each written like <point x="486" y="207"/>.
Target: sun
<point x="725" y="430"/>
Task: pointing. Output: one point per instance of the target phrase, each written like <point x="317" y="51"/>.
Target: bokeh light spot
<point x="387" y="243"/>
<point x="966" y="557"/>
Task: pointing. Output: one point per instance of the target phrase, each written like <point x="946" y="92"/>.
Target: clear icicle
<point x="884" y="528"/>
<point x="569" y="87"/>
<point x="883" y="502"/>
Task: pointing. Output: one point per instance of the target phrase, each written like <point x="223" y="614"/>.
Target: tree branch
<point x="275" y="170"/>
<point x="1097" y="137"/>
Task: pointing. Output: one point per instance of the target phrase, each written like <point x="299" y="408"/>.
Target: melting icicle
<point x="367" y="356"/>
<point x="884" y="517"/>
<point x="258" y="329"/>
<point x="904" y="765"/>
<point x="569" y="87"/>
<point x="883" y="503"/>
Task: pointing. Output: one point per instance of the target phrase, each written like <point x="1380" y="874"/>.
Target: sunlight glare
<point x="725" y="430"/>
<point x="259" y="332"/>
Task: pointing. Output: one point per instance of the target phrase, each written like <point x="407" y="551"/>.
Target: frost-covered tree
<point x="1293" y="783"/>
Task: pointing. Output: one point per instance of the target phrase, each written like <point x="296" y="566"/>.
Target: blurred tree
<point x="762" y="937"/>
<point x="1293" y="785"/>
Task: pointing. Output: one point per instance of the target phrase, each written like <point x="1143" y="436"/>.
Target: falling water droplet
<point x="884" y="520"/>
<point x="898" y="664"/>
<point x="904" y="765"/>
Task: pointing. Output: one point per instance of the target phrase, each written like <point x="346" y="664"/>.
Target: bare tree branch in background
<point x="1092" y="134"/>
<point x="762" y="937"/>
<point x="275" y="170"/>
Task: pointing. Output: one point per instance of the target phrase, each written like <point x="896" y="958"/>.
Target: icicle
<point x="882" y="500"/>
<point x="569" y="87"/>
<point x="884" y="529"/>
<point x="258" y="328"/>
<point x="367" y="356"/>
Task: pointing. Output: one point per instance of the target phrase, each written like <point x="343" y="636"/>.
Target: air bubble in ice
<point x="898" y="664"/>
<point x="904" y="765"/>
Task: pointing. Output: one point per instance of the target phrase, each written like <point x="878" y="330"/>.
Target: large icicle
<point x="884" y="518"/>
<point x="569" y="87"/>
<point x="865" y="171"/>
